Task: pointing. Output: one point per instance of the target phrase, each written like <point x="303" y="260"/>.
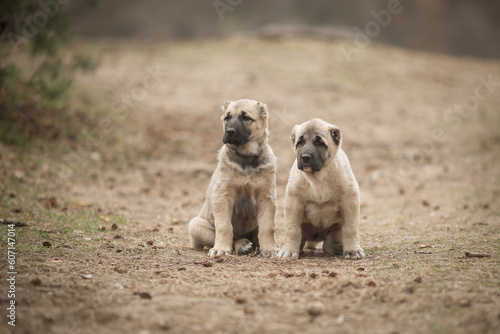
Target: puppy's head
<point x="315" y="144"/>
<point x="244" y="121"/>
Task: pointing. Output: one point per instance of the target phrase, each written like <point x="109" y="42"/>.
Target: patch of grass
<point x="55" y="229"/>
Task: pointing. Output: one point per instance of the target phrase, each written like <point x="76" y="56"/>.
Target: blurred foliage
<point x="35" y="73"/>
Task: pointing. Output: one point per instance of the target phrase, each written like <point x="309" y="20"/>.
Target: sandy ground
<point x="429" y="177"/>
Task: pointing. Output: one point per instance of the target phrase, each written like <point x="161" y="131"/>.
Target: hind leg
<point x="201" y="233"/>
<point x="242" y="246"/>
<point x="333" y="242"/>
<point x="246" y="244"/>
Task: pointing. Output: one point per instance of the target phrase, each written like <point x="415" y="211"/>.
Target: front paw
<point x="268" y="252"/>
<point x="219" y="251"/>
<point x="358" y="253"/>
<point x="288" y="253"/>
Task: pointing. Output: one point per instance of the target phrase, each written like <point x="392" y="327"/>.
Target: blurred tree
<point x="39" y="28"/>
<point x="35" y="31"/>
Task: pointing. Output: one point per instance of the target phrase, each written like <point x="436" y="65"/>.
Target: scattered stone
<point x="332" y="274"/>
<point x="207" y="264"/>
<point x="163" y="326"/>
<point x="409" y="289"/>
<point x="48" y="202"/>
<point x="143" y="295"/>
<point x="36" y="281"/>
<point x="248" y="310"/>
<point x="425" y="203"/>
<point x="47" y="318"/>
<point x="18" y="174"/>
<point x="150" y="242"/>
<point x="120" y="269"/>
<point x="312" y="275"/>
<point x="464" y="302"/>
<point x="240" y="300"/>
<point x="418" y="279"/>
<point x="315" y="310"/>
<point x="88" y="276"/>
<point x="181" y="268"/>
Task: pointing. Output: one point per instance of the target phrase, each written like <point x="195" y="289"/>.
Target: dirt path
<point x="429" y="179"/>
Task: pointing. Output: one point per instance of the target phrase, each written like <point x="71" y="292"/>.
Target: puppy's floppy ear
<point x="224" y="107"/>
<point x="262" y="109"/>
<point x="292" y="136"/>
<point x="336" y="135"/>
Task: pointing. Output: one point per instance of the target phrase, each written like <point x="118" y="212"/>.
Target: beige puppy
<point x="322" y="195"/>
<point x="240" y="205"/>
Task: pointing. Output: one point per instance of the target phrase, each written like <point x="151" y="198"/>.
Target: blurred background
<point x="293" y="55"/>
<point x="122" y="124"/>
<point x="459" y="27"/>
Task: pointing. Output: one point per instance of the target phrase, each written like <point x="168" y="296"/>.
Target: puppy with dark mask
<point x="240" y="206"/>
<point x="322" y="195"/>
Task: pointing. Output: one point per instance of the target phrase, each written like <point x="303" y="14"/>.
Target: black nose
<point x="231" y="131"/>
<point x="305" y="158"/>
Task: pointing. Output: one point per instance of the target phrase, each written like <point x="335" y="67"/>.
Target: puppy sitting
<point x="240" y="205"/>
<point x="322" y="195"/>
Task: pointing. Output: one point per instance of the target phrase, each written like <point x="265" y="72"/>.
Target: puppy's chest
<point x="322" y="215"/>
<point x="245" y="210"/>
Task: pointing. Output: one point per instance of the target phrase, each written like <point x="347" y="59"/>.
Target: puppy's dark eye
<point x="300" y="142"/>
<point x="319" y="142"/>
<point x="246" y="118"/>
<point x="227" y="118"/>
